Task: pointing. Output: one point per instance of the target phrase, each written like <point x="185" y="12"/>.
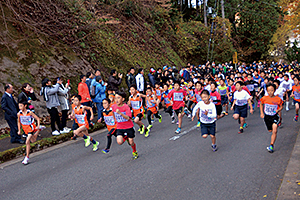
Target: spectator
<point x="140" y="81"/>
<point x="86" y="100"/>
<point x="113" y="81"/>
<point x="93" y="81"/>
<point x="158" y="75"/>
<point x="89" y="78"/>
<point x="130" y="77"/>
<point x="100" y="95"/>
<point x="165" y="77"/>
<point x="186" y="74"/>
<point x="10" y="106"/>
<point x="64" y="104"/>
<point x="151" y="77"/>
<point x="50" y="96"/>
<point x="27" y="95"/>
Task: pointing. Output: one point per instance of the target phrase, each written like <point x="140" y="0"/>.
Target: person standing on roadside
<point x="151" y="77"/>
<point x="50" y="96"/>
<point x="11" y="108"/>
<point x="64" y="104"/>
<point x="27" y="95"/>
<point x="100" y="96"/>
<point x="140" y="81"/>
<point x="86" y="100"/>
<point x="113" y="81"/>
<point x="130" y="77"/>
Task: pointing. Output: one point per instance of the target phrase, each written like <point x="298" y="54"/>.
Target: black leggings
<point x="64" y="117"/>
<point x="169" y="110"/>
<point x="109" y="141"/>
<point x="54" y="118"/>
<point x="149" y="113"/>
<point x="189" y="105"/>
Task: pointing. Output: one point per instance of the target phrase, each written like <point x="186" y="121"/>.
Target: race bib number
<point x="270" y="109"/>
<point x="80" y="119"/>
<point x="214" y="98"/>
<point x="285" y="86"/>
<point x="26" y="120"/>
<point x="250" y="87"/>
<point x="119" y="117"/>
<point x="109" y="120"/>
<point x="158" y="93"/>
<point x="241" y="102"/>
<point x="198" y="98"/>
<point x="223" y="92"/>
<point x="178" y="97"/>
<point x="191" y="93"/>
<point x="135" y="105"/>
<point x="297" y="95"/>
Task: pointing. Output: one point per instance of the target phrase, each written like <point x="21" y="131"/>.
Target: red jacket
<point x="83" y="91"/>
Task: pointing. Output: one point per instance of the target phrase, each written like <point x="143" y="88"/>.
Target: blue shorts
<point x="208" y="129"/>
<point x="224" y="100"/>
<point x="241" y="110"/>
<point x="296" y="102"/>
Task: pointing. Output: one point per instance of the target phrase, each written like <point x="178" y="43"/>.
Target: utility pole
<point x="223" y="17"/>
<point x="205" y="15"/>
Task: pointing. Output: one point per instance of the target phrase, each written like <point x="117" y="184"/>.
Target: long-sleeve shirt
<point x="211" y="116"/>
<point x="83" y="91"/>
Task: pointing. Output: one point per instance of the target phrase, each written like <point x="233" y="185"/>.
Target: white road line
<point x="183" y="133"/>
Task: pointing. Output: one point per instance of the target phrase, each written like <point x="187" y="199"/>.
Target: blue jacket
<point x="100" y="93"/>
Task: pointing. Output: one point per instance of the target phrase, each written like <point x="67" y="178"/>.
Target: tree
<point x="293" y="53"/>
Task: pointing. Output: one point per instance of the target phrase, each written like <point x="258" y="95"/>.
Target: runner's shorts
<point x="129" y="132"/>
<point x="208" y="129"/>
<point x="241" y="110"/>
<point x="270" y="120"/>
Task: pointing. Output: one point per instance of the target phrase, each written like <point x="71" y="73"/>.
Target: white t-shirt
<point x="207" y="88"/>
<point x="287" y="84"/>
<point x="280" y="79"/>
<point x="241" y="97"/>
<point x="211" y="116"/>
<point x="279" y="92"/>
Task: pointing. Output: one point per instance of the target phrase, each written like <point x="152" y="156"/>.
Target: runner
<point x="80" y="115"/>
<point x="152" y="104"/>
<point x="110" y="121"/>
<point x="125" y="130"/>
<point x="280" y="92"/>
<point x="223" y="90"/>
<point x="241" y="97"/>
<point x="215" y="97"/>
<point x="26" y="122"/>
<point x="136" y="103"/>
<point x="178" y="96"/>
<point x="269" y="108"/>
<point x="191" y="97"/>
<point x="167" y="102"/>
<point x="207" y="113"/>
<point x="287" y="84"/>
<point x="198" y="90"/>
<point x="296" y="95"/>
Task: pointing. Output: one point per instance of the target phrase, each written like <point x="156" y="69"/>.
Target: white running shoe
<point x="55" y="132"/>
<point x="63" y="131"/>
<point x="42" y="127"/>
<point x="68" y="129"/>
<point x="25" y="161"/>
<point x="287" y="109"/>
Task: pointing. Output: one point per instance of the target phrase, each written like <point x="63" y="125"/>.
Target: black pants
<point x="88" y="113"/>
<point x="111" y="133"/>
<point x="64" y="118"/>
<point x="189" y="105"/>
<point x="54" y="118"/>
<point x="149" y="113"/>
<point x="13" y="125"/>
<point x="169" y="110"/>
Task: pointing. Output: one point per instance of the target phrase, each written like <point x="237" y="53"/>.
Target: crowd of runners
<point x="203" y="94"/>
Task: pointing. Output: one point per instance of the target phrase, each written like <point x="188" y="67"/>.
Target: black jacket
<point x="23" y="97"/>
<point x="10" y="106"/>
<point x="113" y="83"/>
<point x="130" y="79"/>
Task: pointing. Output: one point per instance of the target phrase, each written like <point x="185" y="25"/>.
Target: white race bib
<point x="109" y="120"/>
<point x="178" y="97"/>
<point x="241" y="102"/>
<point x="26" y="120"/>
<point x="80" y="119"/>
<point x="135" y="105"/>
<point x="270" y="109"/>
<point x="119" y="117"/>
<point x="297" y="95"/>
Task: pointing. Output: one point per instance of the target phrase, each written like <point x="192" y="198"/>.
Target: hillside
<point x="50" y="38"/>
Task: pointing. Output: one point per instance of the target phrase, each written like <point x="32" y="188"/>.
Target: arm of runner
<point x="91" y="110"/>
<point x="233" y="103"/>
<point x="250" y="105"/>
<point x="195" y="109"/>
<point x="37" y="119"/>
<point x="19" y="125"/>
<point x="261" y="108"/>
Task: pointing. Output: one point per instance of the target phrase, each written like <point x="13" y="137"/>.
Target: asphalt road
<point x="184" y="168"/>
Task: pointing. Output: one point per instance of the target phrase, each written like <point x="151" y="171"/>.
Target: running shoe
<point x="226" y="113"/>
<point x="214" y="148"/>
<point x="173" y="120"/>
<point x="106" y="151"/>
<point x="241" y="130"/>
<point x="287" y="109"/>
<point x="25" y="161"/>
<point x="87" y="141"/>
<point x="148" y="130"/>
<point x="142" y="130"/>
<point x="95" y="146"/>
<point x="245" y="125"/>
<point x="189" y="116"/>
<point x="198" y="124"/>
<point x="177" y="122"/>
<point x="178" y="130"/>
<point x="135" y="155"/>
<point x="186" y="111"/>
<point x="258" y="104"/>
<point x="160" y="118"/>
<point x="74" y="138"/>
<point x="270" y="149"/>
<point x="296" y="118"/>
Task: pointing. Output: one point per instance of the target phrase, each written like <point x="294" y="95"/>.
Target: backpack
<point x="93" y="92"/>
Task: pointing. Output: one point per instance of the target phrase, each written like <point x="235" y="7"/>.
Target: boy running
<point x="110" y="121"/>
<point x="125" y="130"/>
<point x="167" y="102"/>
<point x="240" y="106"/>
<point x="178" y="97"/>
<point x="269" y="108"/>
<point x="26" y="121"/>
<point x="223" y="90"/>
<point x="79" y="113"/>
<point x="296" y="95"/>
<point x="207" y="113"/>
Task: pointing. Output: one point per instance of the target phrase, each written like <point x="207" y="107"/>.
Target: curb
<point x="290" y="185"/>
<point x="41" y="145"/>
